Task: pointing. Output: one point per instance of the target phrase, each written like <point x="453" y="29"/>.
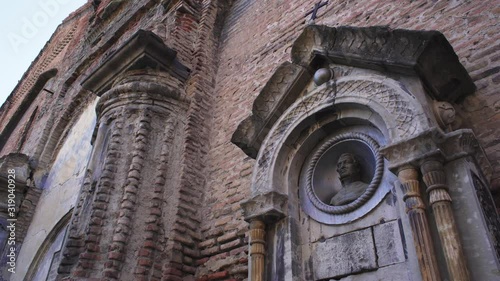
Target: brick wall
<point x="233" y="48"/>
<point x="256" y="39"/>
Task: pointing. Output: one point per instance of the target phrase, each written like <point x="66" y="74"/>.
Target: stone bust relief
<point x="340" y="180"/>
<point x="350" y="176"/>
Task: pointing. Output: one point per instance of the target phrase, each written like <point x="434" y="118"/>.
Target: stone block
<point x="397" y="272"/>
<point x="344" y="255"/>
<point x="390" y="248"/>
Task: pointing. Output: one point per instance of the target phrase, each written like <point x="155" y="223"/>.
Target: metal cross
<point x="314" y="11"/>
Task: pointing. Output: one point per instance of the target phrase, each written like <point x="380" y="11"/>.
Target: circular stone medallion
<point x="355" y="158"/>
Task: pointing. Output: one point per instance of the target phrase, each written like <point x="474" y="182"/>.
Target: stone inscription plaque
<point x="344" y="255"/>
<point x="389" y="244"/>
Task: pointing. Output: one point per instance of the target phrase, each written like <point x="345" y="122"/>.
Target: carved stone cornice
<point x="143" y="50"/>
<point x="426" y="54"/>
<point x="268" y="207"/>
<point x="277" y="95"/>
<point x="436" y="143"/>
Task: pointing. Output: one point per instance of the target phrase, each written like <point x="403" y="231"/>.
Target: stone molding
<point x="375" y="182"/>
<point x="403" y="118"/>
<point x="313" y="170"/>
<point x="421" y="53"/>
<point x="278" y="94"/>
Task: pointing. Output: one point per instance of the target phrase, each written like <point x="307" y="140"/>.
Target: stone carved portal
<point x="372" y="103"/>
<point x="355" y="114"/>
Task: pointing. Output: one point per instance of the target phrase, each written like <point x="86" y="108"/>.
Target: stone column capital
<point x="268" y="207"/>
<point x="437" y="145"/>
<point x="432" y="164"/>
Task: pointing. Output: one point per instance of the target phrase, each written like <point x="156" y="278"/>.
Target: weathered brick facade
<point x="231" y="48"/>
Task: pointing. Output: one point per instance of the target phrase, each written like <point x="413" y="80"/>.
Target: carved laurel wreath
<point x="379" y="168"/>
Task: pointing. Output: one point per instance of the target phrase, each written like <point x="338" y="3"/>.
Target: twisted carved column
<point x="118" y="222"/>
<point x="257" y="250"/>
<point x="440" y="201"/>
<point x="415" y="208"/>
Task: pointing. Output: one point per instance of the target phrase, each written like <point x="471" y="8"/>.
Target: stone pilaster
<point x="415" y="209"/>
<point x="440" y="201"/>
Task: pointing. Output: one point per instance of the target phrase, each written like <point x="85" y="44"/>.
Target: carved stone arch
<point x="402" y="117"/>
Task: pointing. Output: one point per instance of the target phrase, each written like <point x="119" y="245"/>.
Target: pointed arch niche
<point x="396" y="207"/>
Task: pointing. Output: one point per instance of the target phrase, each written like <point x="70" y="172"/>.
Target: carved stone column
<point x="440" y="201"/>
<point x="415" y="208"/>
<point x="257" y="250"/>
<point x="261" y="211"/>
<point x="455" y="156"/>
